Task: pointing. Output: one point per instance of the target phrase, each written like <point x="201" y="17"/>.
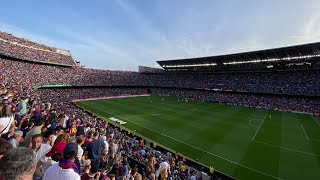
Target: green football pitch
<point x="244" y="143"/>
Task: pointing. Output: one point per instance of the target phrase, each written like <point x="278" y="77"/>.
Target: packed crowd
<point x="22" y="77"/>
<point x="25" y="42"/>
<point x="24" y="49"/>
<point x="280" y="103"/>
<point x="146" y="69"/>
<point x="293" y="83"/>
<point x="50" y="140"/>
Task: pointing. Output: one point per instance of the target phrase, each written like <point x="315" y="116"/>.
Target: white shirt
<point x="164" y="165"/>
<point x="106" y="146"/>
<point x="6" y="123"/>
<point x="54" y="137"/>
<point x="64" y="125"/>
<point x="55" y="172"/>
<point x="40" y="154"/>
<point x="80" y="153"/>
<point x="86" y="129"/>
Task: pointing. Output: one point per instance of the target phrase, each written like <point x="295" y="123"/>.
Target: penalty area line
<point x="304" y="132"/>
<point x="259" y="127"/>
<point x="289" y="149"/>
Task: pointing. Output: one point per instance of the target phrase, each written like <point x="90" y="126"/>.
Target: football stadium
<point x="244" y="115"/>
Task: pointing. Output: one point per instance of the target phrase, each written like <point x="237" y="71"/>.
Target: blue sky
<point x="122" y="34"/>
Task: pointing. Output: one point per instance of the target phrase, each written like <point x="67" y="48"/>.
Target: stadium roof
<point x="298" y="55"/>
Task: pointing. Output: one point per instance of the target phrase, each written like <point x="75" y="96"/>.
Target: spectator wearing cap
<point x="54" y="155"/>
<point x="35" y="130"/>
<point x="17" y="137"/>
<point x="17" y="164"/>
<point x="66" y="169"/>
<point x="56" y="152"/>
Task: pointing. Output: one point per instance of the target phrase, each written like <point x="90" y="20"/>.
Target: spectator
<point x="17" y="137"/>
<point x="63" y="138"/>
<point x="47" y="137"/>
<point x="80" y="130"/>
<point x="22" y="107"/>
<point x="39" y="150"/>
<point x="111" y="176"/>
<point x="96" y="135"/>
<point x="94" y="150"/>
<point x="5" y="146"/>
<point x="35" y="130"/>
<point x="80" y="142"/>
<point x="57" y="132"/>
<point x="86" y="166"/>
<point x="92" y="175"/>
<point x="17" y="164"/>
<point x="66" y="169"/>
<point x="56" y="152"/>
<point x="6" y="119"/>
<point x="104" y="139"/>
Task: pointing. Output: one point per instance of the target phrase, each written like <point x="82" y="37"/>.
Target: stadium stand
<point x="27" y="50"/>
<point x="26" y="65"/>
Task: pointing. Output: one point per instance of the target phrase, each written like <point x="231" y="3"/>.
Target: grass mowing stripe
<point x="196" y="147"/>
<point x="259" y="128"/>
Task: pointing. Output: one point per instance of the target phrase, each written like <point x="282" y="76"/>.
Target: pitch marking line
<point x="252" y="124"/>
<point x="199" y="148"/>
<point x="315" y="120"/>
<point x="259" y="127"/>
<point x="294" y="150"/>
<point x="304" y="132"/>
